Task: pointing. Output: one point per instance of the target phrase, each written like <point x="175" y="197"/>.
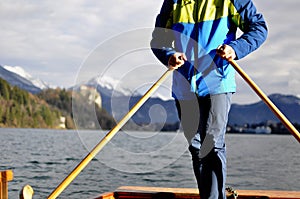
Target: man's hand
<point x="226" y="52"/>
<point x="176" y="60"/>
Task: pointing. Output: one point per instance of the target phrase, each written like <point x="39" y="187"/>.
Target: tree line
<point x="21" y="109"/>
<point x="18" y="108"/>
<point x="67" y="101"/>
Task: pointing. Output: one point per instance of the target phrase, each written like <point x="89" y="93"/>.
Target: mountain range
<point x="17" y="76"/>
<point x="16" y="80"/>
<point x="258" y="112"/>
<point x="160" y="111"/>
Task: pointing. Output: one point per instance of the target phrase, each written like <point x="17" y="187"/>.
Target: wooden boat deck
<point x="126" y="192"/>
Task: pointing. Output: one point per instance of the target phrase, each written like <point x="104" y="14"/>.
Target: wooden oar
<point x="265" y="98"/>
<point x="108" y="137"/>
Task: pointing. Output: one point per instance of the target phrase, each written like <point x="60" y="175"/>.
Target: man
<point x="197" y="38"/>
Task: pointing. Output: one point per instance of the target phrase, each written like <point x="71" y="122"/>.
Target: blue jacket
<point x="197" y="28"/>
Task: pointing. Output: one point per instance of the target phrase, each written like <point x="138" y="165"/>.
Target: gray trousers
<point x="204" y="121"/>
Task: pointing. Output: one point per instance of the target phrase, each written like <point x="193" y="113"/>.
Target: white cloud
<point x="51" y="38"/>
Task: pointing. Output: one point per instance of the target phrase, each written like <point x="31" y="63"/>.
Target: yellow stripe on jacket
<point x="185" y="11"/>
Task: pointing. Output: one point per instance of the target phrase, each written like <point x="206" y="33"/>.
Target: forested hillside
<point x="63" y="99"/>
<point x="18" y="108"/>
<point x="21" y="109"/>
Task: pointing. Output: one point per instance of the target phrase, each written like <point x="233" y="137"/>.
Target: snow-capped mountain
<point x="112" y="87"/>
<point x="19" y="81"/>
<point x="118" y="99"/>
<point x="108" y="86"/>
<point x="21" y="72"/>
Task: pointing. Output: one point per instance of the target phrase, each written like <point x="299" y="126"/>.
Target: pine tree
<point x="4" y="89"/>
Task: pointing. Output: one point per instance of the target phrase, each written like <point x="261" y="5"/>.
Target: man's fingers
<point x="183" y="57"/>
<point x="177" y="60"/>
<point x="226" y="52"/>
<point x="220" y="48"/>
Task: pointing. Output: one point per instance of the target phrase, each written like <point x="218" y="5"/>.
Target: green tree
<point x="46" y="115"/>
<point x="20" y="96"/>
<point x="70" y="123"/>
<point x="4" y="89"/>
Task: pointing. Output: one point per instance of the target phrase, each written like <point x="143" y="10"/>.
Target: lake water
<point x="43" y="158"/>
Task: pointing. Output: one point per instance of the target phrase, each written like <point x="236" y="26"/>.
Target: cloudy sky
<point x="57" y="42"/>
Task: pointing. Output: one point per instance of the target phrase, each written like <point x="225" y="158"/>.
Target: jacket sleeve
<point x="253" y="26"/>
<point x="162" y="37"/>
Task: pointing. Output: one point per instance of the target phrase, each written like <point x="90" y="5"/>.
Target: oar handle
<point x="265" y="98"/>
<point x="108" y="137"/>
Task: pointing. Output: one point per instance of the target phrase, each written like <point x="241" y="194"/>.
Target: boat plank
<point x="126" y="192"/>
<point x="273" y="194"/>
<point x="108" y="195"/>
